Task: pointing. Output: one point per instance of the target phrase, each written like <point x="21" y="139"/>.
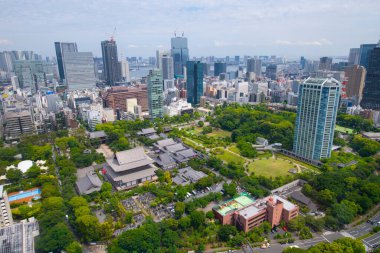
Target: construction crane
<point x="113" y="34"/>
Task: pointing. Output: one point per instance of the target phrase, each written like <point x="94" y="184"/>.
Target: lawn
<point x="234" y="149"/>
<point x="271" y="167"/>
<point x="228" y="157"/>
<point x="343" y="129"/>
<point x="219" y="133"/>
<point x="306" y="165"/>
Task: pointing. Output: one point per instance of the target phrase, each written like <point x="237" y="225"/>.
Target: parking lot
<point x="372" y="241"/>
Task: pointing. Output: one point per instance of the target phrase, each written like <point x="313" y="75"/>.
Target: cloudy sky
<point x="288" y="28"/>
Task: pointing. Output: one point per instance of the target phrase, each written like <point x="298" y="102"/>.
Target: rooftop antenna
<point x="113" y="34"/>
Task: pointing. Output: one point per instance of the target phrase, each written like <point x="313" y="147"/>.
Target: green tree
<point x="345" y="211"/>
<point x="226" y="232"/>
<point x="74" y="247"/>
<point x="201" y="123"/>
<point x="55" y="239"/>
<point x="197" y="218"/>
<point x="305" y="233"/>
<point x="33" y="172"/>
<point x="88" y="227"/>
<point x="179" y="209"/>
<point x="230" y="189"/>
<point x="14" y="175"/>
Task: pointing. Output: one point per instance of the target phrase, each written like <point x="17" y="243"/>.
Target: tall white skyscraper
<point x="318" y="101"/>
<point x="79" y="70"/>
<point x="167" y="67"/>
<point x="124" y="65"/>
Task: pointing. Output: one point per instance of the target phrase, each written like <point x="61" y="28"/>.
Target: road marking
<point x="325" y="239"/>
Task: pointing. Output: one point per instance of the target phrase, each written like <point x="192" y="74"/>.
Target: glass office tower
<point x="194" y="82"/>
<point x="318" y="101"/>
<point x="364" y="51"/>
<point x="60" y="49"/>
<point x="180" y="54"/>
<point x="371" y="92"/>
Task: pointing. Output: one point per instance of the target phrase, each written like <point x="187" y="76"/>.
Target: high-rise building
<point x="124" y="68"/>
<point x="167" y="67"/>
<point x="271" y="71"/>
<point x="79" y="70"/>
<point x="371" y="93"/>
<point x="60" y="49"/>
<point x="180" y="54"/>
<point x="353" y="57"/>
<point x="325" y="63"/>
<point x="194" y="82"/>
<point x="155" y="94"/>
<point x="30" y="74"/>
<point x="318" y="101"/>
<point x="111" y="67"/>
<point x="254" y="65"/>
<point x="355" y="76"/>
<point x="219" y="68"/>
<point x="364" y="52"/>
<point x="237" y="59"/>
<point x="303" y="62"/>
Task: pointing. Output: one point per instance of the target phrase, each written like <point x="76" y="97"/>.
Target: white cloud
<point x="218" y="43"/>
<point x="320" y="42"/>
<point x="132" y="46"/>
<point x="4" y="41"/>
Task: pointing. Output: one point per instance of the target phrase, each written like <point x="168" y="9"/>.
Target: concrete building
<point x="111" y="67"/>
<point x="254" y="66"/>
<point x="19" y="237"/>
<point x="355" y="81"/>
<point x="353" y="57"/>
<point x="5" y="212"/>
<point x="30" y="74"/>
<point x="246" y="213"/>
<point x="325" y="63"/>
<point x="79" y="70"/>
<point x="271" y="71"/>
<point x="167" y="67"/>
<point x="117" y="96"/>
<point x="318" y="102"/>
<point x="155" y="94"/>
<point x="17" y="121"/>
<point x="130" y="168"/>
<point x="124" y="68"/>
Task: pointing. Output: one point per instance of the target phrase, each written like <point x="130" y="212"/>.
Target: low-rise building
<point x="246" y="213"/>
<point x="130" y="168"/>
<point x="87" y="181"/>
<point x="188" y="175"/>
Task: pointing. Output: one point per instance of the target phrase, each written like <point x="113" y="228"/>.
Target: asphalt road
<point x="364" y="228"/>
<point x="373" y="240"/>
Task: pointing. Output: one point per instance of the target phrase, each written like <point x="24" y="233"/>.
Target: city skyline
<point x="285" y="28"/>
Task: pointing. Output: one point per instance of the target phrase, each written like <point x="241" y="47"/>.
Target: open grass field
<point x="219" y="133"/>
<point x="228" y="157"/>
<point x="270" y="167"/>
<point x="306" y="165"/>
<point x="344" y="129"/>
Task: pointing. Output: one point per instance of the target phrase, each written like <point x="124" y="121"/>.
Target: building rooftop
<point x="97" y="134"/>
<point x="237" y="203"/>
<point x="129" y="159"/>
<point x="147" y="131"/>
<point x="322" y="81"/>
<point x="175" y="148"/>
<point x="250" y="211"/>
<point x="166" y="142"/>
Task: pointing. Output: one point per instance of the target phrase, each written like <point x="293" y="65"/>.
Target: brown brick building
<point x="117" y="96"/>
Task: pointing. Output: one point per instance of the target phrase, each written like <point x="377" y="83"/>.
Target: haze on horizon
<point x="289" y="28"/>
